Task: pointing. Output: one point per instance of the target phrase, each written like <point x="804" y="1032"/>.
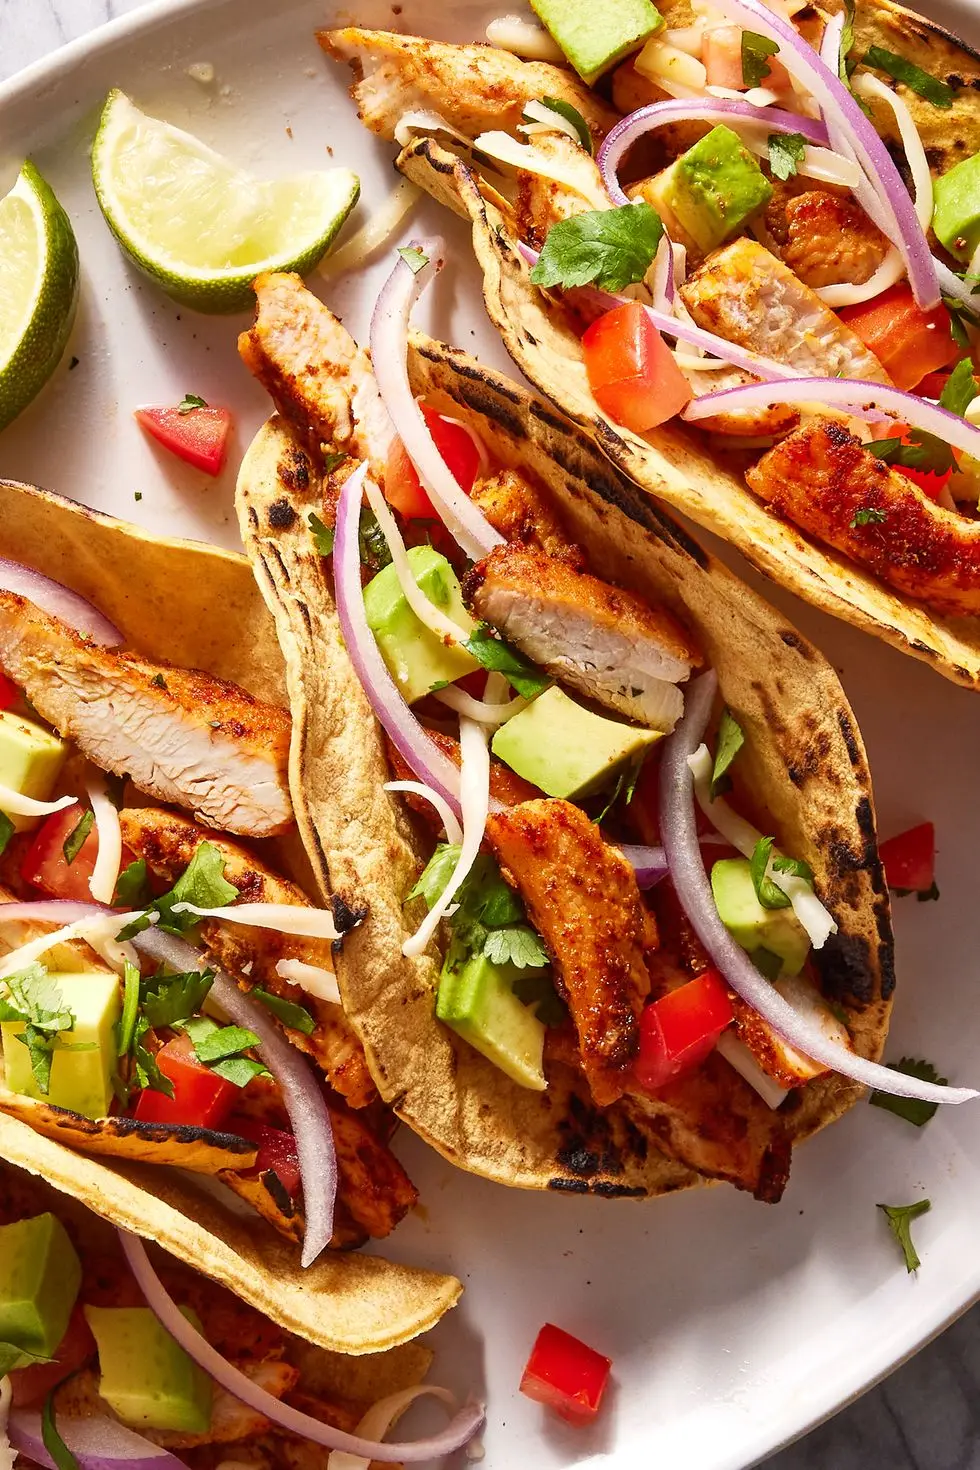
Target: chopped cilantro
<point x="535" y="988"/>
<point x="33" y="997"/>
<point x="285" y="1011"/>
<point x="12" y="1357"/>
<point x="414" y="258"/>
<point x="867" y="515"/>
<point x="126" y="1029"/>
<point x="756" y="51"/>
<point x="322" y="535"/>
<point x="239" y="1071"/>
<point x="786" y="152"/>
<point x="373" y="548"/>
<point x="912" y="1109"/>
<point x="498" y="656"/>
<point x="6" y="832"/>
<point x="213" y="1043"/>
<point x="625" y="786"/>
<point x="570" y="114"/>
<point x="611" y="248"/>
<point x="900" y="1219"/>
<point x="436" y="873"/>
<point x="158" y="682"/>
<point x="333" y="460"/>
<point x="202" y="884"/>
<point x="766" y="891"/>
<point x="167" y="999"/>
<point x="148" y="1073"/>
<point x="939" y="93"/>
<point x="189" y="402"/>
<point x="731" y="738"/>
<point x="52" y="1440"/>
<point x="925" y="452"/>
<point x="846" y="44"/>
<point x="72" y="845"/>
<point x="132" y="888"/>
<point x="961" y="388"/>
<point x="794" y="867"/>
<point x="518" y="945"/>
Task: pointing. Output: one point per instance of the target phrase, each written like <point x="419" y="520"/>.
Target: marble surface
<point x="927" y="1415"/>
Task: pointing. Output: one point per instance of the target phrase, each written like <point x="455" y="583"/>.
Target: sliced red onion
<point x="830" y="42"/>
<point x="389" y="354"/>
<point x="649" y="864"/>
<point x="462" y="1428"/>
<point x="687" y="871"/>
<point x="97" y="1443"/>
<point x="301" y="1092"/>
<point x="662" y="288"/>
<point x="421" y="753"/>
<point x="51" y="597"/>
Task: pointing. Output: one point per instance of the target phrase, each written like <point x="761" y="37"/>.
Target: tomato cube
<point x="45" y="865"/>
<point x="201" y="1098"/>
<point x="565" y="1374"/>
<point x="632" y="374"/>
<point x="277" y="1151"/>
<point x="910" y="859"/>
<point x="403" y="488"/>
<point x="679" y="1030"/>
<point x="9" y="693"/>
<point x="199" y="436"/>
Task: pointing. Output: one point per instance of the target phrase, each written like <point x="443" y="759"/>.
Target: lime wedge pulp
<point x="38" y="289"/>
<point x="197" y="225"/>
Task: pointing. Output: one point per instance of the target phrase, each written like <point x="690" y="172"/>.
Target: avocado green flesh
<point x="31" y="759"/>
<point x="147" y="1378"/>
<point x="751" y="925"/>
<point x="956" y="213"/>
<point x="714" y="187"/>
<point x="416" y="658"/>
<point x="566" y="749"/>
<point x="81" y="1080"/>
<point x="40" y="1276"/>
<point x="478" y="1002"/>
<point x="595" y="38"/>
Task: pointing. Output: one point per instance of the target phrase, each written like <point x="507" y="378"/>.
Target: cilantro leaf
<point x="202" y="883"/>
<point x="219" y="1042"/>
<point x="536" y="989"/>
<point x="912" y="1109"/>
<point x="126" y="1029"/>
<point x="436" y="874"/>
<point x="756" y="51"/>
<point x="516" y="944"/>
<point x="132" y="888"/>
<point x="960" y="318"/>
<point x="322" y="535"/>
<point x="571" y="114"/>
<point x="731" y="738"/>
<point x="189" y="402"/>
<point x="625" y="786"/>
<point x="786" y="152"/>
<point x="372" y="546"/>
<point x="846" y="44"/>
<point x="33" y="997"/>
<point x="167" y="999"/>
<point x="334" y="460"/>
<point x="6" y="832"/>
<point x="498" y="656"/>
<point x="795" y="867"/>
<point x="72" y="845"/>
<point x="868" y="515"/>
<point x="239" y="1071"/>
<point x="285" y="1011"/>
<point x="900" y="1219"/>
<point x="490" y="897"/>
<point x="13" y="1357"/>
<point x="414" y="258"/>
<point x="939" y="93"/>
<point x="766" y="891"/>
<point x="961" y="388"/>
<point x="925" y="452"/>
<point x="52" y="1440"/>
<point x="611" y="248"/>
<point x="148" y="1073"/>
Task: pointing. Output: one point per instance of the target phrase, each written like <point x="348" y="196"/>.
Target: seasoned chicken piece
<point x="542" y="202"/>
<point x="315" y="373"/>
<point x="582" y="898"/>
<point x="609" y="644"/>
<point x="780" y="1061"/>
<point x="826" y="239"/>
<point x="167" y="842"/>
<point x="745" y="294"/>
<point x="474" y="88"/>
<point x="180" y="735"/>
<point x="524" y="515"/>
<point x="821" y="477"/>
<point x="505" y="785"/>
<point x="771" y="421"/>
<point x="231" y="1420"/>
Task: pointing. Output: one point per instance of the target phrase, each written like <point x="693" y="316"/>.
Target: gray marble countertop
<point x="927" y="1415"/>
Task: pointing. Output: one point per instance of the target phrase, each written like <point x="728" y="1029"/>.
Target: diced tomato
<point x="907" y="341"/>
<point x="932" y="484"/>
<point x="31" y="1386"/>
<point x="566" y="1374"/>
<point x="199" y="435"/>
<point x="632" y="374"/>
<point x="721" y="52"/>
<point x="932" y="385"/>
<point x="9" y="693"/>
<point x="45" y="864"/>
<point x="910" y="858"/>
<point x="201" y="1098"/>
<point x="679" y="1030"/>
<point x="403" y="489"/>
<point x="277" y="1151"/>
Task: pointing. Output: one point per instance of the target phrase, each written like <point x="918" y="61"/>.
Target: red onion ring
<point x="56" y="911"/>
<point x="687" y="871"/>
<point x="389" y="355"/>
<point x="51" y="597"/>
<point x="457" y="1433"/>
<point x="98" y="1443"/>
<point x="301" y="1092"/>
<point x="649" y="864"/>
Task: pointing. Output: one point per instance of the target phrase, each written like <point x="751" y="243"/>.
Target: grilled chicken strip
<point x="524" y="515"/>
<point x="542" y="202"/>
<point x="821" y="477"/>
<point x="582" y="898"/>
<point x="609" y="644"/>
<point x="474" y="88"/>
<point x="167" y="842"/>
<point x="826" y="239"/>
<point x="746" y="295"/>
<point x="180" y="735"/>
<point x="315" y="373"/>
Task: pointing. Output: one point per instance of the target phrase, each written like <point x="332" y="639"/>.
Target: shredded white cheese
<point x="674" y="69"/>
<point x="105" y="874"/>
<point x="316" y="981"/>
<point x="523" y="37"/>
<point x="373" y="233"/>
<point x="288" y="918"/>
<point x="99" y="932"/>
<point x="16" y="804"/>
<point x="866" y="85"/>
<point x="427" y="613"/>
<point x="737" y="1054"/>
<point x="454" y="832"/>
<point x="544" y="119"/>
<point x="524" y="156"/>
<point x="492" y="715"/>
<point x="423" y="120"/>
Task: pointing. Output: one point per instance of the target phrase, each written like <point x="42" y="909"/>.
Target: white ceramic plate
<point x="733" y="1326"/>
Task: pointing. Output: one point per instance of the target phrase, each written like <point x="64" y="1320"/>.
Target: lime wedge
<point x="38" y="289"/>
<point x="198" y="226"/>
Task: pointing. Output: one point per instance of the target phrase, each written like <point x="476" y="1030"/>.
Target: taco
<point x="743" y="196"/>
<point x="519" y="1036"/>
<point x="167" y="996"/>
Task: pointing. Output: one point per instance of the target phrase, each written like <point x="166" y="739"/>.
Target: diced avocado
<point x="713" y="188"/>
<point x="479" y="1003"/>
<point x="147" y="1378"/>
<point x="594" y="40"/>
<point x="417" y="660"/>
<point x="30" y="761"/>
<point x="956" y="212"/>
<point x="81" y="1079"/>
<point x="39" y="1279"/>
<point x="777" y="930"/>
<point x="564" y="748"/>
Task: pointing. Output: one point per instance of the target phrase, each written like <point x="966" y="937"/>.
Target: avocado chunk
<point x="147" y="1378"/>
<point x="80" y="1080"/>
<point x="594" y="40"/>
<point x="712" y="189"/>
<point x="956" y="211"/>
<point x="564" y="748"/>
<point x="31" y="759"/>
<point x="40" y="1275"/>
<point x="479" y="1003"/>
<point x="417" y="660"/>
<point x="777" y="930"/>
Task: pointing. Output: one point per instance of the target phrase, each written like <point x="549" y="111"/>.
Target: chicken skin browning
<point x="525" y="517"/>
<point x="582" y="898"/>
<point x="609" y="644"/>
<point x="821" y="477"/>
<point x="181" y="735"/>
<point x="826" y="239"/>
